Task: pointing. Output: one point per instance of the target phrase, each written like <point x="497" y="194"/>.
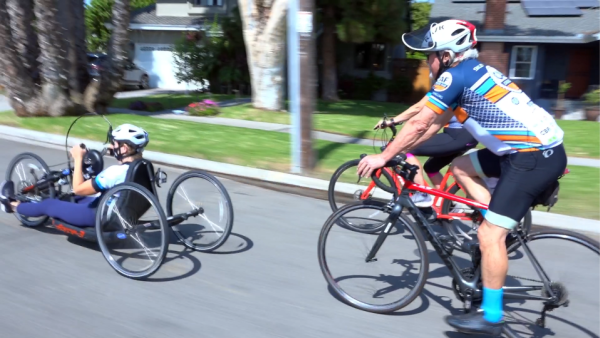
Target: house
<point x="536" y="43"/>
<point x="155" y="29"/>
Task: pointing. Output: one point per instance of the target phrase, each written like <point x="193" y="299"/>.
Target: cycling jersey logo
<point x="515" y="101"/>
<point x="501" y="80"/>
<point x="443" y="82"/>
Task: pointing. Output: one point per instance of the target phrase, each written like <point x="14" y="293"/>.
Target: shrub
<point x="592" y="98"/>
<point x="203" y="108"/>
<point x="154" y="106"/>
<point x="138" y="105"/>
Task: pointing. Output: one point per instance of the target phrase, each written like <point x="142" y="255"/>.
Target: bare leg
<point x="494" y="259"/>
<point x="419" y="179"/>
<point x="464" y="172"/>
<point x="436" y="179"/>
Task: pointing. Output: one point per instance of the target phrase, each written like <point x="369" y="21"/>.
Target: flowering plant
<point x="203" y="108"/>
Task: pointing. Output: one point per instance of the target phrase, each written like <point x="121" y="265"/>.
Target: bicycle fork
<point x="396" y="211"/>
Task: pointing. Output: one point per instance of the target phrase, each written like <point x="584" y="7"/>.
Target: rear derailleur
<point x="560" y="298"/>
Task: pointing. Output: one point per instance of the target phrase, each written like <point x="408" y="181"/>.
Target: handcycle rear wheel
<point x="21" y="182"/>
<point x="391" y="283"/>
<point x="115" y="228"/>
<point x="461" y="231"/>
<point x="340" y="191"/>
<point x="196" y="198"/>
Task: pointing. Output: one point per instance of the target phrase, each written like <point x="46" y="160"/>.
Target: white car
<point x="133" y="75"/>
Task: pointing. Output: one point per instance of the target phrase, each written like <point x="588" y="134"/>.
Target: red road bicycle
<point x="449" y="213"/>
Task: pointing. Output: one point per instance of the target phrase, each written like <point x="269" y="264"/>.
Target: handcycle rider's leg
<point x="523" y="176"/>
<point x="80" y="213"/>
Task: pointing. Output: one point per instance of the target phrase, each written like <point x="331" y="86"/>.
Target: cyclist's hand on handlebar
<point x="383" y="124"/>
<point x="370" y="163"/>
<point x="77" y="152"/>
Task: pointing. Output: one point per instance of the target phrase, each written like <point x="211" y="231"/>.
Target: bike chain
<point x="527" y="279"/>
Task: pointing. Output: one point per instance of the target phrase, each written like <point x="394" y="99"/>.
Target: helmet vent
<point x="458" y="31"/>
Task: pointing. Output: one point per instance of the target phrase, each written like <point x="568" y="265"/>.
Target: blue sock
<point x="492" y="305"/>
<point x="483" y="212"/>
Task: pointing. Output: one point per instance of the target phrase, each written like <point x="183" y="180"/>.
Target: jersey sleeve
<point x="105" y="180"/>
<point x="445" y="93"/>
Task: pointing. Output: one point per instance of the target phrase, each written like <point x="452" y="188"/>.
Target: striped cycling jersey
<point x="493" y="109"/>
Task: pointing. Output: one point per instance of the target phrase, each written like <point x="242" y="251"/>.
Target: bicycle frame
<point x="437" y="201"/>
<point x="467" y="286"/>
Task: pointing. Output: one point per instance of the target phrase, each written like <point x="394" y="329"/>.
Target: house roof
<point x="147" y="16"/>
<point x="521" y="27"/>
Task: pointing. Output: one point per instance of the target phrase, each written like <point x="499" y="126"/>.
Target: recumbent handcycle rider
<point x="524" y="148"/>
<point x="128" y="145"/>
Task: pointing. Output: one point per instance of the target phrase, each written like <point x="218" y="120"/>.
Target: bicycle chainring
<point x="468" y="273"/>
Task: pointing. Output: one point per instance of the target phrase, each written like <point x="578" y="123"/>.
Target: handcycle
<point x="466" y="281"/>
<point x="120" y="211"/>
<point x="442" y="209"/>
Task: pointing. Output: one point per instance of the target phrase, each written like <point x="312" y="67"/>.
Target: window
<point x="370" y="56"/>
<point x="209" y="3"/>
<point x="522" y="62"/>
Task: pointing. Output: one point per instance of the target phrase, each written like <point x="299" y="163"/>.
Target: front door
<point x="578" y="74"/>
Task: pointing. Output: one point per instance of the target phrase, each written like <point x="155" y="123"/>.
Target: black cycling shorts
<point x="523" y="177"/>
<point x="444" y="147"/>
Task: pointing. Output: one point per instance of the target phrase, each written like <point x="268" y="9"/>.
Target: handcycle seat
<point x="130" y="206"/>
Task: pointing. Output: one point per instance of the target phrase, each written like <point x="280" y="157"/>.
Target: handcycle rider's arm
<point x="81" y="187"/>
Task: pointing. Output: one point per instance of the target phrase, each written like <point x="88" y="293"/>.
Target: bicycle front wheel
<point x="343" y="251"/>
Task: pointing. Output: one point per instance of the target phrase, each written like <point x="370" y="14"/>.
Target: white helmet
<point x="450" y="35"/>
<point x="134" y="136"/>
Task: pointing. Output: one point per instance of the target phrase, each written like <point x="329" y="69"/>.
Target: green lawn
<point x="170" y="101"/>
<point x="357" y="118"/>
<point x="579" y="196"/>
<point x="354" y="118"/>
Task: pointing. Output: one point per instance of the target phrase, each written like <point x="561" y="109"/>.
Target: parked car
<point x="133" y="76"/>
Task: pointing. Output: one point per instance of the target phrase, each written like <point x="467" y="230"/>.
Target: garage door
<point x="157" y="60"/>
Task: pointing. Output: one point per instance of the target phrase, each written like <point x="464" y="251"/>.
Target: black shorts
<point x="523" y="177"/>
<point x="444" y="147"/>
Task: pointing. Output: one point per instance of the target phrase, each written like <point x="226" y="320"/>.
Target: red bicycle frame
<point x="439" y="194"/>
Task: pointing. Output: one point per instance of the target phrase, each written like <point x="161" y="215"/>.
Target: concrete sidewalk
<point x="261" y="175"/>
<point x="286" y="128"/>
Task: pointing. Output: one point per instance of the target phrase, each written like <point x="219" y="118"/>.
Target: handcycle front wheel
<point x="390" y="255"/>
<point x="17" y="172"/>
<point x="132" y="230"/>
<point x="461" y="231"/>
<point x="194" y="190"/>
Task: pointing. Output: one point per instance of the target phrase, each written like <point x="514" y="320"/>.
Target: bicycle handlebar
<point x="400" y="166"/>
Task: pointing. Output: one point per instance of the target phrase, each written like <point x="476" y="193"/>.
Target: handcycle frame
<point x="470" y="288"/>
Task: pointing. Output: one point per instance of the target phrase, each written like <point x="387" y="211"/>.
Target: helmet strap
<point x="444" y="66"/>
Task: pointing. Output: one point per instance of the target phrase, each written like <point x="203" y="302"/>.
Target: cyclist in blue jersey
<point x="524" y="150"/>
<point x="128" y="144"/>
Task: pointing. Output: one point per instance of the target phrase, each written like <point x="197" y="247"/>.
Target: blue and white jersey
<point x="110" y="177"/>
<point x="493" y="109"/>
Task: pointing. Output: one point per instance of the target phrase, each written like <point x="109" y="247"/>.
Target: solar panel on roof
<point x="551" y="7"/>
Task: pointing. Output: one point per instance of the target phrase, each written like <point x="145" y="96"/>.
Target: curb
<point x="262" y="175"/>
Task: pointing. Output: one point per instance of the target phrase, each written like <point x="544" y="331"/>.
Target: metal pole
<point x="294" y="84"/>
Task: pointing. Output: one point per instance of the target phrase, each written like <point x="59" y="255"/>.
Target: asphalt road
<point x="265" y="282"/>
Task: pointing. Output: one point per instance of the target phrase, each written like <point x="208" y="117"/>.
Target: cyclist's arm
<point x="444" y="95"/>
<point x="434" y="128"/>
<point x="411" y="111"/>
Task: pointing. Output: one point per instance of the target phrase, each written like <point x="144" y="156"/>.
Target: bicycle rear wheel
<point x="402" y="259"/>
<point x="559" y="263"/>
<point x="346" y="186"/>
